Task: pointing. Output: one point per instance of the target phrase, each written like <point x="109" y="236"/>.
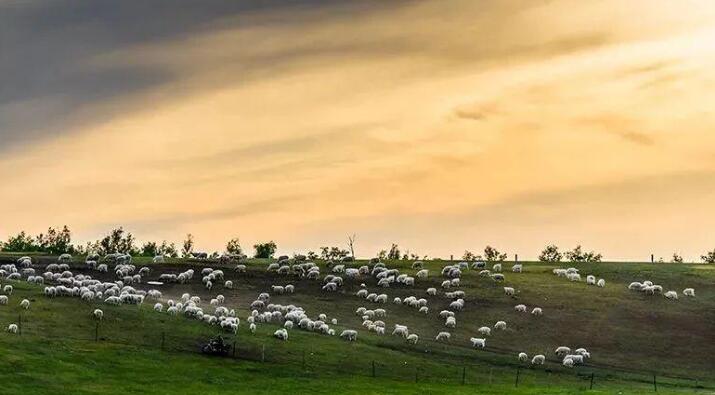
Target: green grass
<point x="624" y="330"/>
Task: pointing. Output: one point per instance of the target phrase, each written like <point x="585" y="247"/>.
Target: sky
<point x="442" y="126"/>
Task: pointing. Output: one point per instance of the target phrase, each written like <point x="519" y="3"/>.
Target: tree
<point x="116" y="241"/>
<point x="351" y="244"/>
<point x="677" y="258"/>
<point x="577" y="255"/>
<point x="21" y="242"/>
<point x="149" y="249"/>
<point x="265" y="250"/>
<point x="56" y="242"/>
<point x="311" y="255"/>
<point x="188" y="246"/>
<point x="470" y="257"/>
<point x="382" y="255"/>
<point x="394" y="252"/>
<point x="491" y="254"/>
<point x="333" y="253"/>
<point x="233" y="247"/>
<point x="709" y="257"/>
<point x="551" y="254"/>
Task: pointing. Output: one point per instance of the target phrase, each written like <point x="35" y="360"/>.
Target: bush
<point x="470" y="257"/>
<point x="265" y="250"/>
<point x="577" y="255"/>
<point x="677" y="258"/>
<point x="551" y="254"/>
<point x="188" y="248"/>
<point x="709" y="257"/>
<point x="394" y="252"/>
<point x="233" y="247"/>
<point x="491" y="254"/>
<point x="216" y="346"/>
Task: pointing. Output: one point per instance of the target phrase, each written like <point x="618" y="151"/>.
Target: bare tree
<point x="351" y="243"/>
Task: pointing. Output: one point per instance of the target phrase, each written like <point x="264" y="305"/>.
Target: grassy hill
<point x="631" y="337"/>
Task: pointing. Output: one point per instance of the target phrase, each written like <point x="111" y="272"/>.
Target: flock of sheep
<point x="64" y="283"/>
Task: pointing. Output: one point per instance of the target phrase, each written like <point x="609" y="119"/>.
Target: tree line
<point x="59" y="241"/>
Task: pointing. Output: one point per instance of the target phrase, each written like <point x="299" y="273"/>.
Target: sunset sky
<point x="438" y="125"/>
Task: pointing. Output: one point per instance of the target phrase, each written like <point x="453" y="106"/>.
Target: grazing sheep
<point x="635" y="286"/>
<point x="496" y="267"/>
<point x="497" y="277"/>
<point x="477" y="342"/>
<point x="12" y="328"/>
<point x="538" y="360"/>
<point x="577" y="359"/>
<point x="451" y="322"/>
<point x="349" y="335"/>
<point x="520" y="308"/>
<point x="590" y="280"/>
<point x="485" y="331"/>
<point x="281" y="334"/>
<point x="288" y="325"/>
<point x="443" y="336"/>
<point x="517" y="268"/>
<point x="523" y="357"/>
<point x="537" y="311"/>
<point x="7" y="289"/>
<point x="562" y="351"/>
<point x="424" y="310"/>
<point x="500" y="325"/>
<point x="400" y="330"/>
<point x="568" y="362"/>
<point x="672" y="295"/>
<point x="25" y="304"/>
<point x="290" y="288"/>
<point x="432" y="291"/>
<point x="689" y="292"/>
<point x="509" y="291"/>
<point x="98" y="314"/>
<point x="158" y="307"/>
<point x="422" y="274"/>
<point x="601" y="282"/>
<point x="413" y="338"/>
<point x="252" y="328"/>
<point x="228" y="284"/>
<point x="3" y="300"/>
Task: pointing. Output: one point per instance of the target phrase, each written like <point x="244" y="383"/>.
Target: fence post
<point x="464" y="374"/>
<point x="163" y="339"/>
<point x="19" y="323"/>
<point x="516" y="258"/>
<point x="591" y="386"/>
<point x="234" y="349"/>
<point x="263" y="353"/>
<point x="490" y="375"/>
<point x="96" y="332"/>
<point x="655" y="384"/>
<point x="518" y="370"/>
<point x="417" y="372"/>
<point x="373" y="368"/>
<point x="652" y="258"/>
<point x="304" y="360"/>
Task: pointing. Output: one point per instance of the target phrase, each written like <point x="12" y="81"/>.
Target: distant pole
<point x="373" y="368"/>
<point x="263" y="353"/>
<point x="303" y="360"/>
<point x="163" y="339"/>
<point x="464" y="374"/>
<point x="516" y="257"/>
<point x="652" y="258"/>
<point x="19" y="323"/>
<point x="96" y="332"/>
<point x="451" y="257"/>
<point x="518" y="370"/>
<point x="490" y="375"/>
<point x="234" y="349"/>
<point x="591" y="386"/>
<point x="655" y="384"/>
<point x="417" y="371"/>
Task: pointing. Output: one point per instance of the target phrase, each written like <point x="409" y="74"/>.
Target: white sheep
<point x="281" y="334"/>
<point x="98" y="314"/>
<point x="538" y="360"/>
<point x="349" y="335"/>
<point x="158" y="307"/>
<point x="509" y="291"/>
<point x="413" y="338"/>
<point x="523" y="357"/>
<point x="477" y="342"/>
<point x="568" y="362"/>
<point x="601" y="282"/>
<point x="451" y="322"/>
<point x="443" y="336"/>
<point x="485" y="331"/>
<point x="400" y="330"/>
<point x="520" y="308"/>
<point x="537" y="311"/>
<point x="496" y="267"/>
<point x="25" y="304"/>
<point x="7" y="289"/>
<point x="590" y="280"/>
<point x="12" y="328"/>
<point x="672" y="295"/>
<point x="562" y="351"/>
<point x="3" y="299"/>
<point x="252" y="328"/>
<point x="500" y="325"/>
<point x="689" y="292"/>
<point x="228" y="284"/>
<point x="432" y="291"/>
